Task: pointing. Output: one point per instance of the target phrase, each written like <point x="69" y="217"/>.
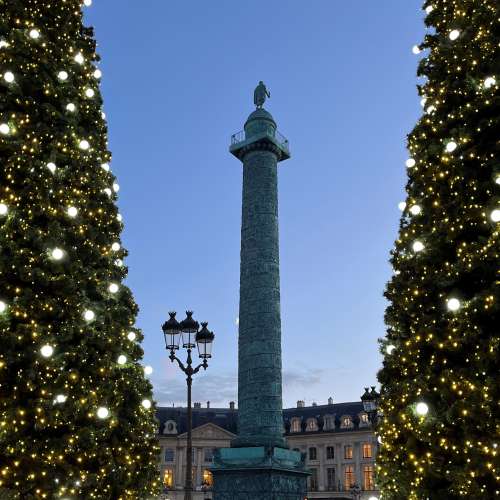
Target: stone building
<point x="337" y="439"/>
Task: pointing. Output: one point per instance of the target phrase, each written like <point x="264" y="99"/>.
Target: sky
<point x="178" y="80"/>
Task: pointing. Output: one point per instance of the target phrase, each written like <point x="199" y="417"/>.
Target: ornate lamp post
<point x="188" y="333"/>
<point x="370" y="401"/>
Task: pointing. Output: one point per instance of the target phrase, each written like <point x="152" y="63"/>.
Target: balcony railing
<point x="280" y="138"/>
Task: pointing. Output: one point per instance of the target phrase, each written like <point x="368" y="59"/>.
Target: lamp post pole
<point x="192" y="336"/>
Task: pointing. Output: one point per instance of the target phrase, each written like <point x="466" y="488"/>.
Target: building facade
<point x="337" y="439"/>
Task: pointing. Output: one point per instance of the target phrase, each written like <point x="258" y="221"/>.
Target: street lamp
<point x="370" y="401"/>
<point x="188" y="334"/>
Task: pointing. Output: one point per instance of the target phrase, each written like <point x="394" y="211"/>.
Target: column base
<point x="259" y="473"/>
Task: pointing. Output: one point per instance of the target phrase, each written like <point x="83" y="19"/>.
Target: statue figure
<point x="260" y="94"/>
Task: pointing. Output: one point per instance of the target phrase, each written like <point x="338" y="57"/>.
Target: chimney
<point x="330" y="400"/>
<point x="301" y="403"/>
<point x="197" y="405"/>
<point x="231" y="405"/>
<point x="208" y="404"/>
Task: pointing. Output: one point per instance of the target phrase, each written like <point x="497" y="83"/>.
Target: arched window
<point x="346" y="422"/>
<point x="364" y="421"/>
<point x="295" y="425"/>
<point x="329" y="422"/>
<point x="312" y="425"/>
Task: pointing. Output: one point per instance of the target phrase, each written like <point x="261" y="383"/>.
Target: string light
<point x="87" y="3"/>
<point x="418" y="246"/>
<point x="453" y="304"/>
<point x="116" y="187"/>
<point x="35" y="34"/>
<point x="119" y="217"/>
<point x="3" y="209"/>
<point x="122" y="359"/>
<point x="115" y="246"/>
<point x="89" y="93"/>
<point x="410" y="162"/>
<point x="84" y="145"/>
<point x="454" y="34"/>
<point x="489" y="82"/>
<point x="47" y="351"/>
<point x="390" y="349"/>
<point x="102" y="412"/>
<point x="51" y="166"/>
<point x="146" y="403"/>
<point x="61" y="398"/>
<point x="63" y="75"/>
<point x="416" y="49"/>
<point x="451" y="146"/>
<point x="3" y="306"/>
<point x="415" y="210"/>
<point x="79" y="58"/>
<point x="9" y="76"/>
<point x="131" y="336"/>
<point x="3" y="44"/>
<point x="105" y="166"/>
<point x="429" y="9"/>
<point x="119" y="262"/>
<point x="97" y="74"/>
<point x="148" y="370"/>
<point x="89" y="315"/>
<point x="72" y="211"/>
<point x="113" y="288"/>
<point x="422" y="409"/>
<point x="4" y="129"/>
<point x="71" y="107"/>
<point x="495" y="215"/>
<point x="57" y="254"/>
<point x="402" y="205"/>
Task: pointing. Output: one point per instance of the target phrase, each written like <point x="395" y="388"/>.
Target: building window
<point x="168" y="478"/>
<point x="346" y="422"/>
<point x="313" y="480"/>
<point x="208" y="479"/>
<point x="368" y="481"/>
<point x="169" y="455"/>
<point x="367" y="450"/>
<point x="349" y="477"/>
<point x="330" y="452"/>
<point x="363" y="419"/>
<point x="328" y="422"/>
<point x="295" y="425"/>
<point x="209" y="454"/>
<point x="312" y="454"/>
<point x="312" y="425"/>
<point x="330" y="478"/>
<point x="348" y="452"/>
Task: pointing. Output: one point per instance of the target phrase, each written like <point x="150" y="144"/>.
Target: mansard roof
<point x="226" y="418"/>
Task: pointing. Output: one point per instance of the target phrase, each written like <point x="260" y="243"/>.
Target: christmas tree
<point x="439" y="431"/>
<point x="76" y="415"/>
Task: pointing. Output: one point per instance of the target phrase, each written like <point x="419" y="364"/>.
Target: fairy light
<point x="3" y="209"/>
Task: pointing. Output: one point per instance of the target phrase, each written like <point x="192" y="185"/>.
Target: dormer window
<point x="364" y="420"/>
<point x="295" y="425"/>
<point x="346" y="422"/>
<point x="170" y="427"/>
<point x="312" y="425"/>
<point x="329" y="422"/>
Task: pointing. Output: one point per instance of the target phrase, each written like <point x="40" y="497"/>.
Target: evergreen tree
<point x="440" y="428"/>
<point x="76" y="417"/>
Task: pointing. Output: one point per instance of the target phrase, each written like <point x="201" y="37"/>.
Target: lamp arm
<point x="173" y="358"/>
<point x="203" y="365"/>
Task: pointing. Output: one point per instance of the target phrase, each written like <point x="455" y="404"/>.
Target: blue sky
<point x="178" y="81"/>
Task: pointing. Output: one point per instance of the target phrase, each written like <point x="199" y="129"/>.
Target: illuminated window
<point x="312" y="425"/>
<point x="330" y="452"/>
<point x="368" y="482"/>
<point x="313" y="454"/>
<point x="208" y="479"/>
<point x="363" y="419"/>
<point x="169" y="455"/>
<point x="330" y="476"/>
<point x="295" y="425"/>
<point x="349" y="477"/>
<point x="367" y="450"/>
<point x="348" y="452"/>
<point x="328" y="422"/>
<point x="168" y="478"/>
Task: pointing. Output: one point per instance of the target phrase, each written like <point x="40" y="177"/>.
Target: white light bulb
<point x="119" y="217"/>
<point x="423" y="101"/>
<point x="105" y="166"/>
<point x="71" y="107"/>
<point x="46" y="351"/>
<point x="62" y="75"/>
<point x="422" y="409"/>
<point x="451" y="146"/>
<point x="3" y="44"/>
<point x="116" y="187"/>
<point x="402" y="205"/>
<point x="9" y="76"/>
<point x="108" y="191"/>
<point x="84" y="145"/>
<point x="148" y="370"/>
<point x="51" y="166"/>
<point x="3" y="209"/>
<point x="97" y="73"/>
<point x="390" y="349"/>
<point x="119" y="262"/>
<point x="146" y="403"/>
<point x="431" y="109"/>
<point x="454" y="34"/>
<point x="497" y="180"/>
<point x="34" y="33"/>
<point x="102" y="412"/>
<point x="87" y="3"/>
<point x="418" y="246"/>
<point x="89" y="315"/>
<point x="495" y="215"/>
<point x="415" y="209"/>
<point x="122" y="359"/>
<point x="72" y="211"/>
<point x="89" y="93"/>
<point x="3" y="306"/>
<point x="61" y="398"/>
<point x="453" y="304"/>
<point x="416" y="50"/>
<point x="429" y="9"/>
<point x="131" y="335"/>
<point x="79" y="58"/>
<point x="113" y="288"/>
<point x="115" y="246"/>
<point x="103" y="115"/>
<point x="410" y="162"/>
<point x="379" y="439"/>
<point x="57" y="254"/>
<point x="4" y="129"/>
<point x="489" y="82"/>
